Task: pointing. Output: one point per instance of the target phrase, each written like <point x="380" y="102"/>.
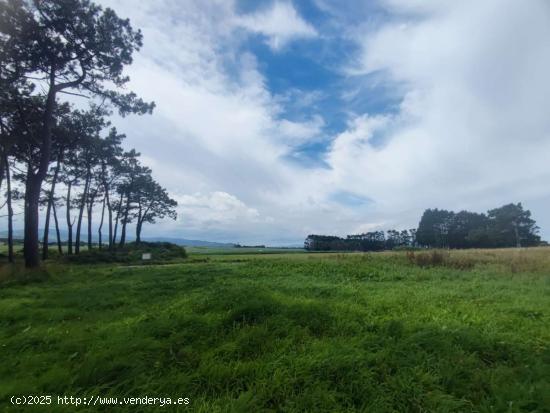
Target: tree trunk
<point x="57" y="232"/>
<point x="89" y="211"/>
<point x="107" y="202"/>
<point x="2" y="169"/>
<point x="10" y="209"/>
<point x="34" y="181"/>
<point x="101" y="224"/>
<point x="138" y="225"/>
<point x="119" y="209"/>
<point x="110" y="217"/>
<point x="45" y="239"/>
<point x="122" y="233"/>
<point x="48" y="210"/>
<point x="89" y="217"/>
<point x="124" y="222"/>
<point x="81" y="211"/>
<point x="32" y="197"/>
<point x="69" y="223"/>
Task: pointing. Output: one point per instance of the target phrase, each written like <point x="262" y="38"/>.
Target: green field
<point x="469" y="332"/>
<point x="242" y="250"/>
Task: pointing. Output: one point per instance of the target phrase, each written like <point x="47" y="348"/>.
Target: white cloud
<point x="476" y="108"/>
<point x="472" y="131"/>
<point x="280" y="24"/>
<point x="211" y="132"/>
<point x="371" y="226"/>
<point x="296" y="133"/>
<point x="415" y="7"/>
<point x="216" y="209"/>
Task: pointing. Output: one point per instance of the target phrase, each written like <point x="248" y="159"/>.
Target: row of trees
<point x="59" y="155"/>
<point x="507" y="226"/>
<point x="369" y="241"/>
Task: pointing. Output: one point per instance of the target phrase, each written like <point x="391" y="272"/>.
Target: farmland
<point x="380" y="332"/>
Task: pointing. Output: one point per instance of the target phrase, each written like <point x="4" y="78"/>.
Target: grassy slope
<point x="287" y="333"/>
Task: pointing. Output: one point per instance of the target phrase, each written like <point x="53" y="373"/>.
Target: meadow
<point x="461" y="331"/>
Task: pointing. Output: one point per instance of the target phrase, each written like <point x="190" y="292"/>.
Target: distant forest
<point x="507" y="226"/>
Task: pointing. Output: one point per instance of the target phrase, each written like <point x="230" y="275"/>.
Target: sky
<point x="278" y="119"/>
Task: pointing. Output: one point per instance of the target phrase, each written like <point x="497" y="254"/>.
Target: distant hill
<point x="18" y="234"/>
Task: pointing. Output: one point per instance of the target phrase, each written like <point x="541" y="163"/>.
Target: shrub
<point x="131" y="253"/>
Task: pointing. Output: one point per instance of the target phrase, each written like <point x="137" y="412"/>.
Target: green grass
<point x="294" y="333"/>
<point x="242" y="250"/>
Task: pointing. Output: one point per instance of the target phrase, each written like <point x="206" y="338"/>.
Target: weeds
<point x="509" y="260"/>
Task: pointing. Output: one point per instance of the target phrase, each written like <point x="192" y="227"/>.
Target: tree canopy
<point x="507" y="226"/>
<point x="48" y="49"/>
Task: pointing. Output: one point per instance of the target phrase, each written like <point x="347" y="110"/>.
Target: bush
<point x="131" y="253"/>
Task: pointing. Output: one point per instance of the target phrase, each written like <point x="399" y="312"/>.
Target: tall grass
<point x="513" y="260"/>
<point x="294" y="333"/>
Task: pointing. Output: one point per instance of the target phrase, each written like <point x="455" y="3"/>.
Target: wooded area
<point x="60" y="154"/>
<point x="507" y="226"/>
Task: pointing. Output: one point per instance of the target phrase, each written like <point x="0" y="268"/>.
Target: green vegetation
<point x="49" y="49"/>
<point x="160" y="252"/>
<point x="375" y="332"/>
<point x="242" y="250"/>
<point x="130" y="253"/>
<point x="507" y="226"/>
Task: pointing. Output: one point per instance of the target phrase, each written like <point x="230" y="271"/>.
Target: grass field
<point x="467" y="332"/>
<point x="243" y="250"/>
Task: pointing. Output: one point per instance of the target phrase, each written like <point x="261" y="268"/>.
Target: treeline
<point x="64" y="158"/>
<point x="368" y="241"/>
<point x="507" y="226"/>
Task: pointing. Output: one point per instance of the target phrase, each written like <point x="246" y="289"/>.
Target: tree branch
<point x="74" y="83"/>
<point x="74" y="94"/>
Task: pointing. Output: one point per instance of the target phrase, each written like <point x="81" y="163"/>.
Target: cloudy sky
<point x="277" y="119"/>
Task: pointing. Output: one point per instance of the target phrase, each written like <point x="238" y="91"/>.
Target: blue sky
<point x="277" y="118"/>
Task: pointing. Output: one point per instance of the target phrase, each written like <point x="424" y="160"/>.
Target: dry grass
<point x="513" y="260"/>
